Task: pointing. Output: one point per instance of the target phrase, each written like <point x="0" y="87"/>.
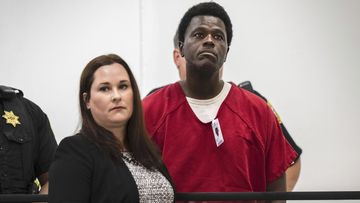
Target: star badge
<point x="11" y="118"/>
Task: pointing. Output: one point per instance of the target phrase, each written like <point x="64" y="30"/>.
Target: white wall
<point x="303" y="55"/>
<point x="44" y="45"/>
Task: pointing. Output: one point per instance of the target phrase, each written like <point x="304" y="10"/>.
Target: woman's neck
<point x="119" y="134"/>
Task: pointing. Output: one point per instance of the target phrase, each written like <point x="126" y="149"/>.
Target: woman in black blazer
<point x="112" y="158"/>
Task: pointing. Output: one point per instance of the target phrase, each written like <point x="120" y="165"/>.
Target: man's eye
<point x="218" y="37"/>
<point x="198" y="35"/>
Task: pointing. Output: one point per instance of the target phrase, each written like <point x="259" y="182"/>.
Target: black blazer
<point x="82" y="173"/>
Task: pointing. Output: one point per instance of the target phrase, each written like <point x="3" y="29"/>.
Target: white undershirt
<point x="207" y="109"/>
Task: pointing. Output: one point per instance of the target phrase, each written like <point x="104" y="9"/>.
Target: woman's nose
<point x="116" y="95"/>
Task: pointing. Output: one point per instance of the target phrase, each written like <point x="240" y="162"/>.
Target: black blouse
<point x="82" y="173"/>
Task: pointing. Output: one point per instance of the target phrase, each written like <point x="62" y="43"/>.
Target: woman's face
<point x="111" y="97"/>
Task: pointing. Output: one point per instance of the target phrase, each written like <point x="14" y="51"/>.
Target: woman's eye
<point x="123" y="87"/>
<point x="104" y="89"/>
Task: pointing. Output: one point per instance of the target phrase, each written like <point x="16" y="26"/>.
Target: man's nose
<point x="209" y="40"/>
<point x="209" y="37"/>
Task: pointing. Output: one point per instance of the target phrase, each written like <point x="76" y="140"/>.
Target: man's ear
<point x="181" y="46"/>
<point x="86" y="100"/>
<point x="176" y="56"/>
<point x="227" y="51"/>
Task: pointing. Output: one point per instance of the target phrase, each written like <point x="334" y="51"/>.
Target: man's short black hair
<point x="206" y="9"/>
<point x="176" y="39"/>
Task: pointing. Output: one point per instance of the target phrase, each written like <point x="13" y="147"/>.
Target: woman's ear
<point x="86" y="100"/>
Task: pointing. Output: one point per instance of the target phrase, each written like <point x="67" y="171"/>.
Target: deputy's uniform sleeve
<point x="279" y="153"/>
<point x="44" y="138"/>
<point x="283" y="128"/>
<point x="247" y="86"/>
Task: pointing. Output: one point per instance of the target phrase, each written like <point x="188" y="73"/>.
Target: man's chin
<point x="208" y="65"/>
<point x="208" y="57"/>
<point x="207" y="69"/>
<point x="204" y="65"/>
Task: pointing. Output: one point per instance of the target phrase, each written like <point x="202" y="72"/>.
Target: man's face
<point x="205" y="43"/>
<point x="180" y="63"/>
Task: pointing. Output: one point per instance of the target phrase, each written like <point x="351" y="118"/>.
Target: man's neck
<point x="198" y="88"/>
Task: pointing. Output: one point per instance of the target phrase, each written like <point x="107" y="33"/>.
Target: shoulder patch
<point x="276" y="114"/>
